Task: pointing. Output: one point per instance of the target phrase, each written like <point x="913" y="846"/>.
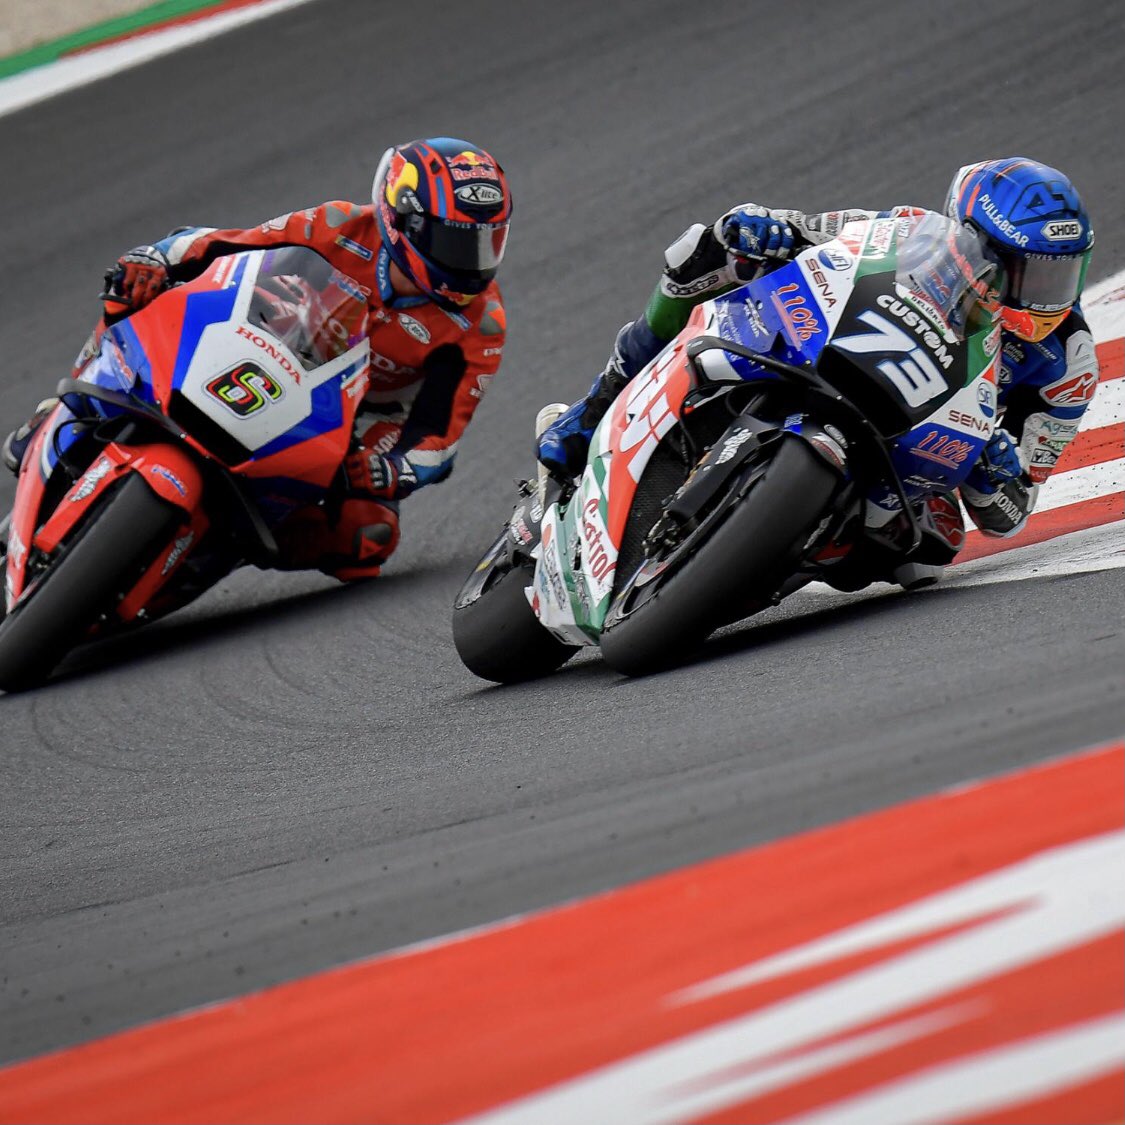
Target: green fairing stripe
<point x="667" y="316"/>
<point x="163" y="12"/>
<point x="598" y="465"/>
<point x="881" y="263"/>
<point x="978" y="359"/>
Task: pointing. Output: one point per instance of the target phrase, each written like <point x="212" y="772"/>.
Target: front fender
<point x="172" y="473"/>
<point x="167" y="469"/>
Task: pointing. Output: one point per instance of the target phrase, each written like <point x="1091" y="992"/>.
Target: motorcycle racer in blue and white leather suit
<point x="1036" y="228"/>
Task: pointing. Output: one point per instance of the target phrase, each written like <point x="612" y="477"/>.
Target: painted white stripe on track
<point x="1104" y="305"/>
<point x="1085" y="483"/>
<point x="1087" y="551"/>
<point x="987" y="1083"/>
<point x="1108" y="405"/>
<point x="1054" y="901"/>
<point x="1078" y="552"/>
<point x="45" y="81"/>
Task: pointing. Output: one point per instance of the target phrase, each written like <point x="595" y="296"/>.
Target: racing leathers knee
<point x="998" y="492"/>
<point x="349" y="537"/>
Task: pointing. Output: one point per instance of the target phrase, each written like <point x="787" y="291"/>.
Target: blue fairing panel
<point x="327" y="414"/>
<point x="776" y="314"/>
<point x="204" y="309"/>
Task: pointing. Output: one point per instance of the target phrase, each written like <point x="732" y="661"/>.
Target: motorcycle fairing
<point x="198" y="341"/>
<point x="553" y="593"/>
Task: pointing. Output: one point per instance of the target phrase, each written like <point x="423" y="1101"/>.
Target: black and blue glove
<point x="751" y="231"/>
<point x="998" y="492"/>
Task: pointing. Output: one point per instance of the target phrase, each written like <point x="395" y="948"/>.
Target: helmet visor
<point x="1045" y="282"/>
<point x="473" y="250"/>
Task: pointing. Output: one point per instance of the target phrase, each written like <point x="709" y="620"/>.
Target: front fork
<point x="714" y="476"/>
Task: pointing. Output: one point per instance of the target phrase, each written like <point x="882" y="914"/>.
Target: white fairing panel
<point x="225" y="346"/>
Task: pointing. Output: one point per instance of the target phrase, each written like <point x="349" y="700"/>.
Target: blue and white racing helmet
<point x="1034" y="222"/>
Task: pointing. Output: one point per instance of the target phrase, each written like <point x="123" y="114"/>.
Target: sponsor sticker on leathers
<point x="414" y="328"/>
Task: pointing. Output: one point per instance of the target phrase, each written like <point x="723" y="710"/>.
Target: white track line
<point x="1085" y="483"/>
<point x="45" y="81"/>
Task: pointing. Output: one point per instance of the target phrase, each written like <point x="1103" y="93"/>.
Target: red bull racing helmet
<point x="443" y="206"/>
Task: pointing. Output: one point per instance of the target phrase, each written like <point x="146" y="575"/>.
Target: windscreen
<point x="942" y="267"/>
<point x="316" y="311"/>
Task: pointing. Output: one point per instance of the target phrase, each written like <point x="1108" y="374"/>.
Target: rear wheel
<point x="92" y="572"/>
<point x="499" y="638"/>
<point x="748" y="557"/>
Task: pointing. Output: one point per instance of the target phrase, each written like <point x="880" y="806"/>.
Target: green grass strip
<point x="108" y="29"/>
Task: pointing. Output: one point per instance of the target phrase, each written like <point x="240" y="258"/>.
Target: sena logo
<point x="1062" y="230"/>
<point x="484" y="195"/>
<point x="1072" y="390"/>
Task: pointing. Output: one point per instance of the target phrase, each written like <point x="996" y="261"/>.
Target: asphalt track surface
<point x="290" y="773"/>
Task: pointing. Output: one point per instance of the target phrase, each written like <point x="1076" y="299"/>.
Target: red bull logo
<point x="401" y="176"/>
<point x="473" y="166"/>
<point x="472" y="159"/>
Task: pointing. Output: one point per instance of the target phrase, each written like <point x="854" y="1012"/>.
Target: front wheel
<point x="748" y="557"/>
<point x="499" y="638"/>
<point x="98" y="566"/>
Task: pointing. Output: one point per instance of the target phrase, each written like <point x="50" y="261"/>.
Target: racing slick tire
<point x="94" y="570"/>
<point x="499" y="638"/>
<point x="746" y="559"/>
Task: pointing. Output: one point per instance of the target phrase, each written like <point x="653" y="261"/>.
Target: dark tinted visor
<point x="472" y="249"/>
<point x="1044" y="282"/>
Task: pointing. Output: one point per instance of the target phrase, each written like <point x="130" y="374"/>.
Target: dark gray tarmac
<point x="290" y="773"/>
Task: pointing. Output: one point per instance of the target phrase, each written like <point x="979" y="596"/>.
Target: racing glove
<point x="135" y="279"/>
<point x="751" y="231"/>
<point x="998" y="492"/>
<point x="382" y="476"/>
<point x="707" y="261"/>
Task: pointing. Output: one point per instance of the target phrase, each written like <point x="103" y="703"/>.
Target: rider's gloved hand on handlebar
<point x="378" y="475"/>
<point x="134" y="280"/>
<point x="751" y="231"/>
<point x="998" y="492"/>
<point x="708" y="260"/>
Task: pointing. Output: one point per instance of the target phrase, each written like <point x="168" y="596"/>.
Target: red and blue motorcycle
<point x="200" y="425"/>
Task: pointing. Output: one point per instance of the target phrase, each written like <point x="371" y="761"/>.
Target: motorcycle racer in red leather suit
<point x="425" y="251"/>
